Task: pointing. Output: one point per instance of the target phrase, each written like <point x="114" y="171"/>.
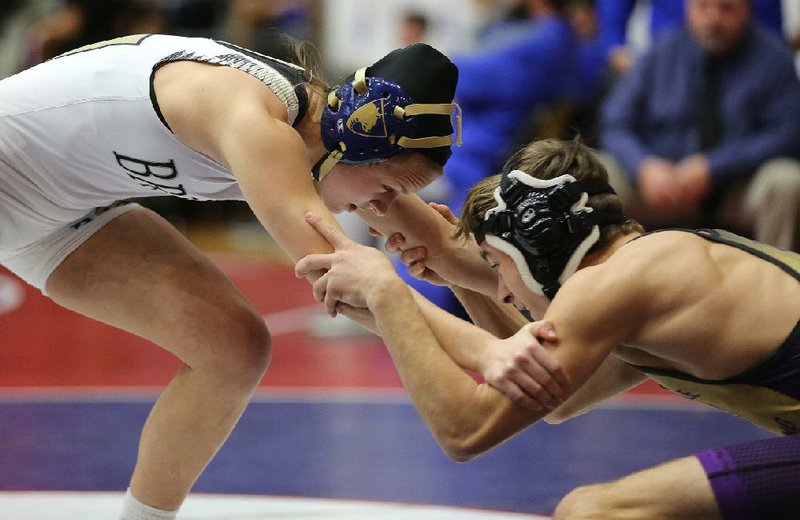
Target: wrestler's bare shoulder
<point x="688" y="265"/>
<point x="661" y="271"/>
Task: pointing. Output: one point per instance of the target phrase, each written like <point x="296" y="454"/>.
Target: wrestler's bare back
<point x="705" y="312"/>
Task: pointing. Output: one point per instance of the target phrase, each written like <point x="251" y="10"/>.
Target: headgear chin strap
<point x="545" y="226"/>
<point x="372" y="119"/>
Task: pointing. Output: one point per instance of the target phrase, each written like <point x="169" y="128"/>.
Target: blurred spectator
<point x="706" y="127"/>
<point x="14" y="18"/>
<point x="504" y="86"/>
<point x="81" y="22"/>
<point x="195" y="17"/>
<point x="665" y="15"/>
<point x="8" y="8"/>
<point x="592" y="84"/>
<point x="258" y="25"/>
<point x="414" y="28"/>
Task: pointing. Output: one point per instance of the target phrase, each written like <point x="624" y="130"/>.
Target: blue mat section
<point x="370" y="451"/>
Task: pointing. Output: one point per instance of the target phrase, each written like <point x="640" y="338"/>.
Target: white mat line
<point x="291" y="320"/>
<point x="39" y="505"/>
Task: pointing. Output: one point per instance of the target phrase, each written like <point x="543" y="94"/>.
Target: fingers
<point x="328" y="231"/>
<point x="330" y="301"/>
<point x="395" y="242"/>
<point x="525" y="391"/>
<point x="541" y="364"/>
<point x="540" y="375"/>
<point x="519" y="397"/>
<point x="325" y="295"/>
<point x="320" y="288"/>
<point x="415" y="254"/>
<point x="311" y="263"/>
<point x="417" y="270"/>
<point x="445" y="211"/>
<point x="543" y="330"/>
<point x="560" y="383"/>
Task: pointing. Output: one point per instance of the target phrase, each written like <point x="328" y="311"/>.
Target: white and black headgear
<point x="545" y="226"/>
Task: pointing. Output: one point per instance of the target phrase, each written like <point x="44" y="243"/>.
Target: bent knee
<point x="242" y="351"/>
<point x="779" y="176"/>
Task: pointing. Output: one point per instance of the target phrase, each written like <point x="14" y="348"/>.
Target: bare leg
<point x="677" y="489"/>
<point x="139" y="274"/>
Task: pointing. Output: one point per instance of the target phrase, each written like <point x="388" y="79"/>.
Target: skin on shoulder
<point x="669" y="299"/>
<point x="593" y="312"/>
<point x="691" y="305"/>
<point x="233" y="118"/>
<point x="648" y="301"/>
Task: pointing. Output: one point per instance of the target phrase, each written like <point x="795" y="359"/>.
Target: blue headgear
<point x="373" y="118"/>
<point x="545" y="226"/>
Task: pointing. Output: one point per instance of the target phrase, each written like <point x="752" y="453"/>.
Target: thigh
<point x="138" y="273"/>
<point x="757" y="479"/>
<point x="675" y="489"/>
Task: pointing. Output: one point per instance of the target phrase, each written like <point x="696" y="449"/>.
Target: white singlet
<point x="83" y="130"/>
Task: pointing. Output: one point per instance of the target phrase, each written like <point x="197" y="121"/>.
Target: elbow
<point x="460" y="451"/>
<point x="465" y="445"/>
<point x="562" y="414"/>
<point x="555" y="418"/>
<point x="468" y="429"/>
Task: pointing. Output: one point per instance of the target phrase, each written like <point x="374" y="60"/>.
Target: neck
<point x="309" y="126"/>
<point x="604" y="253"/>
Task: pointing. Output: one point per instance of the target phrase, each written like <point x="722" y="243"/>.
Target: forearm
<point x="457" y="262"/>
<point x="466" y="418"/>
<point x="420" y="224"/>
<point x="463" y="343"/>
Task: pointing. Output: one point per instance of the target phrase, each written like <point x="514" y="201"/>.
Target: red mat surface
<point x="44" y="345"/>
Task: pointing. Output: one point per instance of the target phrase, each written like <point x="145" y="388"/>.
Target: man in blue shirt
<point x="706" y="128"/>
<point x="665" y="15"/>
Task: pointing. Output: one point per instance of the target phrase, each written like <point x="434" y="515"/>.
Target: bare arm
<point x="466" y="417"/>
<point x="457" y="262"/>
<point x="231" y="117"/>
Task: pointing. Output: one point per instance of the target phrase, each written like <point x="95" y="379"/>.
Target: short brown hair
<point x="548" y="159"/>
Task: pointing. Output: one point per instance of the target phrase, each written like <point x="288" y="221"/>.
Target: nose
<point x="381" y="203"/>
<point x="503" y="293"/>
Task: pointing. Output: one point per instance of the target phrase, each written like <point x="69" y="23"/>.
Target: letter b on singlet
<point x="142" y="168"/>
<point x="153" y="174"/>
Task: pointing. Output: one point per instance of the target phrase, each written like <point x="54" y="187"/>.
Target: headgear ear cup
<point x="403" y="101"/>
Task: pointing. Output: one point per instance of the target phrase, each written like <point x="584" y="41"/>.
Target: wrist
<point x="384" y="292"/>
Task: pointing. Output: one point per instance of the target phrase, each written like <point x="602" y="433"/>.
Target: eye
<point x="387" y="189"/>
<point x="493" y="265"/>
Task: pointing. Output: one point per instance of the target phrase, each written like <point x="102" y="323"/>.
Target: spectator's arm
<point x="612" y="19"/>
